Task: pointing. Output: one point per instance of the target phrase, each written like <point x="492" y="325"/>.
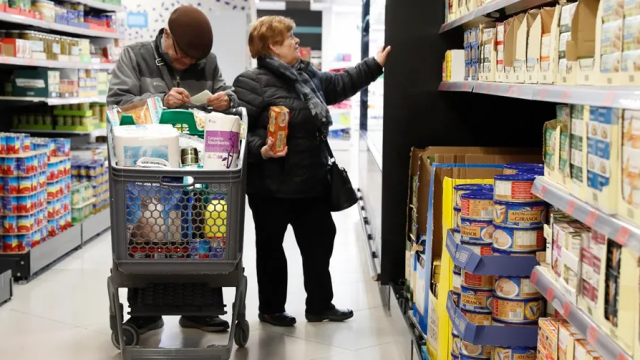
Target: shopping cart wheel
<point x="242" y="333"/>
<point x="130" y="334"/>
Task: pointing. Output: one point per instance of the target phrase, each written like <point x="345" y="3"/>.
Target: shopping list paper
<point x="201" y="98"/>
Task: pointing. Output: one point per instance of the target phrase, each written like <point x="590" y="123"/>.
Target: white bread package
<point x="221" y="142"/>
<point x="133" y="143"/>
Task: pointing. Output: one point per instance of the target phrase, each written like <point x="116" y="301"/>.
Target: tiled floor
<point x="63" y="314"/>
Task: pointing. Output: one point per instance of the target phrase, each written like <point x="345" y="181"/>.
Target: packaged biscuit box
<point x="278" y="127"/>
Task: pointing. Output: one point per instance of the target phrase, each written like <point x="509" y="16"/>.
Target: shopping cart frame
<point x="138" y="273"/>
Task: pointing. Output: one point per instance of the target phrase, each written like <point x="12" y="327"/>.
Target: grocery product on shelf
<point x="93" y="172"/>
<point x="33" y="199"/>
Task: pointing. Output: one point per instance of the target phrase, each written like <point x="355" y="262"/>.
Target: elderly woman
<point x="291" y="187"/>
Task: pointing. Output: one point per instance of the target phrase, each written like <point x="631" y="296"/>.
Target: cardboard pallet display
<point x="534" y="19"/>
<point x="550" y="34"/>
<point x="581" y="49"/>
<point x="453" y="163"/>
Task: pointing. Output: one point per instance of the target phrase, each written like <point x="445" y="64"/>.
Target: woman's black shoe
<point x="335" y="315"/>
<point x="282" y="320"/>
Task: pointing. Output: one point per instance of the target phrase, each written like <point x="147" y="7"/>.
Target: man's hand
<point x="381" y="57"/>
<point x="267" y="151"/>
<point x="219" y="101"/>
<point x="176" y="98"/>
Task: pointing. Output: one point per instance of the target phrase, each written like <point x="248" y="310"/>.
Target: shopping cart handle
<point x="205" y="108"/>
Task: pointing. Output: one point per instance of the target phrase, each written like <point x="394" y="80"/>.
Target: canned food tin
<point x="517" y="310"/>
<point x="476" y="230"/>
<point x="3" y="145"/>
<point x="519" y="214"/>
<point x="477" y="317"/>
<point x="514" y="187"/>
<point x="9" y="243"/>
<point x="24" y="205"/>
<point x="475" y="351"/>
<point x="518" y="239"/>
<point x="455" y="344"/>
<point x="482" y="249"/>
<point x="456" y="282"/>
<point x="465" y="188"/>
<point x="456" y="298"/>
<point x="10" y="224"/>
<point x="477" y="205"/>
<point x="26" y="223"/>
<point x="476" y="281"/>
<point x="24" y="185"/>
<point x="13" y="144"/>
<point x="514" y="353"/>
<point x="526" y="168"/>
<point x="456" y="217"/>
<point x="11" y="186"/>
<point x="511" y="287"/>
<point x="500" y="252"/>
<point x="10" y="205"/>
<point x="10" y="168"/>
<point x="24" y="242"/>
<point x="475" y="299"/>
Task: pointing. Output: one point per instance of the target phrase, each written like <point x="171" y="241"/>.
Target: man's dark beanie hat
<point x="192" y="31"/>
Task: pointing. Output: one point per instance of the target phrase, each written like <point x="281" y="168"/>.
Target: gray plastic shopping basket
<point x="177" y="236"/>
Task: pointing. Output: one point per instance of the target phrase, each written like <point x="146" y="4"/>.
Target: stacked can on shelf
<point x="473" y="207"/>
<point x="23" y="205"/>
<point x="94" y="172"/>
<point x="518" y="231"/>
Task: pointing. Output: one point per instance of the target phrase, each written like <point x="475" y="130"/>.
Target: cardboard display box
<point x="439" y="163"/>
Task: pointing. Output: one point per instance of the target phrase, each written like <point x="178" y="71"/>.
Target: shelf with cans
<point x="84" y="118"/>
<point x="33" y="190"/>
<point x="497" y="233"/>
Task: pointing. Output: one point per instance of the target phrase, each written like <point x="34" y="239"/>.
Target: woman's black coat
<point x="302" y="173"/>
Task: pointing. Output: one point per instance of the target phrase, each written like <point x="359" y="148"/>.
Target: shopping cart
<point x="177" y="235"/>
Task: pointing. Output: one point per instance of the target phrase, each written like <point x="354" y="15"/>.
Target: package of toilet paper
<point x="221" y="142"/>
<point x="133" y="143"/>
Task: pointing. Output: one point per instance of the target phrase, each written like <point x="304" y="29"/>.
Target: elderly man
<point x="178" y="64"/>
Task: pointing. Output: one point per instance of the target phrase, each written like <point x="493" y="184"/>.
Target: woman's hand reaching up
<point x="381" y="57"/>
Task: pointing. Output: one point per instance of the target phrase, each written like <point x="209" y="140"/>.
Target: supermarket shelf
<point x="545" y="281"/>
<point x="96" y="132"/>
<point x="606" y="96"/>
<point x="6" y="286"/>
<point x="25" y="266"/>
<point x="622" y="232"/>
<point x="57" y="101"/>
<point x="95" y="225"/>
<point x="479" y="14"/>
<point x="100" y="5"/>
<point x="8" y="60"/>
<point x="412" y="321"/>
<point x="19" y="19"/>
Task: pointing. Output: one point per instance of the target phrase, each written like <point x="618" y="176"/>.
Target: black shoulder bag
<point x="343" y="196"/>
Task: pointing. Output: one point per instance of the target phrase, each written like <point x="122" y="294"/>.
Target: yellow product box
<point x="629" y="198"/>
<point x="603" y="157"/>
<point x="567" y="336"/>
<point x="548" y="338"/>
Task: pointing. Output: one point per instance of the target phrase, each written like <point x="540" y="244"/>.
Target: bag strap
<point x="327" y="147"/>
<point x="168" y="79"/>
